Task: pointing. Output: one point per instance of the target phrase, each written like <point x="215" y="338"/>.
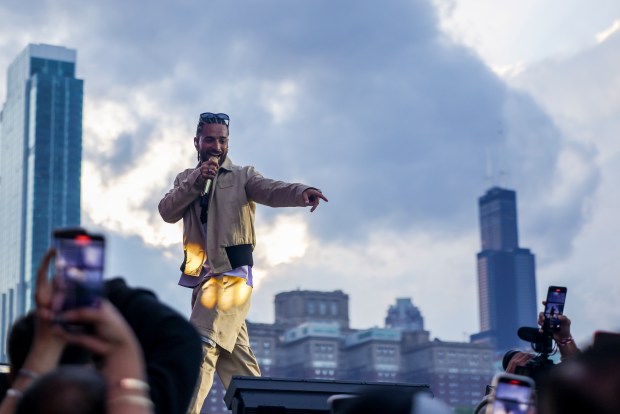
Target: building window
<point x="311" y="307"/>
<point x="334" y="308"/>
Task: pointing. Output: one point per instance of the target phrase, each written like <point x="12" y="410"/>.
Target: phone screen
<point x="512" y="395"/>
<point x="556" y="297"/>
<point x="79" y="269"/>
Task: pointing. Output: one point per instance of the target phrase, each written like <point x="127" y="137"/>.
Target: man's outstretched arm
<point x="275" y="193"/>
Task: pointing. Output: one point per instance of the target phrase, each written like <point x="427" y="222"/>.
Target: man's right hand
<point x="208" y="168"/>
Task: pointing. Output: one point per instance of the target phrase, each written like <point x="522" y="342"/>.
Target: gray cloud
<point x="127" y="148"/>
<point x="383" y="112"/>
<point x="578" y="91"/>
<point x="390" y="118"/>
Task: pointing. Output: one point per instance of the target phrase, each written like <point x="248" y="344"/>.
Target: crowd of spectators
<point x="137" y="355"/>
<point x="140" y="356"/>
<point x="582" y="382"/>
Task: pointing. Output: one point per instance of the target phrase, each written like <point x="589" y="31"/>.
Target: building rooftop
<point x="376" y="334"/>
<point x="312" y="329"/>
<point x="51" y="52"/>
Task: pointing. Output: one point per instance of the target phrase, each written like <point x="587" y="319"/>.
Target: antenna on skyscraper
<point x="502" y="182"/>
<point x="488" y="179"/>
<point x="502" y="173"/>
<point x="495" y="175"/>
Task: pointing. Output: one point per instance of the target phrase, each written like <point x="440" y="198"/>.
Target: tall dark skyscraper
<point x="506" y="273"/>
<point x="40" y="168"/>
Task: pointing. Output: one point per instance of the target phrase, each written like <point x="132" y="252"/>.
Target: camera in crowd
<point x="542" y="344"/>
<point x="541" y="339"/>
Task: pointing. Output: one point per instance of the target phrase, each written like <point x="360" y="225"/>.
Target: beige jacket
<point x="230" y="236"/>
<point x="230" y="224"/>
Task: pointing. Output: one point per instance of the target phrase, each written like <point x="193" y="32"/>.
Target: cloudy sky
<point x="402" y="112"/>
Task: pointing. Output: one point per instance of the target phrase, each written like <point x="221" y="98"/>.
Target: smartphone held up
<point x="79" y="269"/>
<point x="554" y="307"/>
<point x="513" y="394"/>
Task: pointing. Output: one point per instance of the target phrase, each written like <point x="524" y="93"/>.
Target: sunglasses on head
<point x="211" y="118"/>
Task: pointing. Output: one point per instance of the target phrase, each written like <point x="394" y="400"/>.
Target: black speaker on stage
<point x="263" y="395"/>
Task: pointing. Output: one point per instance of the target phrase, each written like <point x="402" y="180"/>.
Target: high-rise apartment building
<point x="40" y="168"/>
<point x="506" y="273"/>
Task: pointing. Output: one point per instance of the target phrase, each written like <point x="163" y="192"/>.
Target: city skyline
<point x="391" y="113"/>
<point x="40" y="168"/>
<point x="311" y="338"/>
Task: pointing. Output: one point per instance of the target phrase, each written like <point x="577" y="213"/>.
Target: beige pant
<point x="240" y="362"/>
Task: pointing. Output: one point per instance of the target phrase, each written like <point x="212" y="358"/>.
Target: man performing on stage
<point x="216" y="200"/>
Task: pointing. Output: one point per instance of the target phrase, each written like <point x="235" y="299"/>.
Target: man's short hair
<point x="212" y="120"/>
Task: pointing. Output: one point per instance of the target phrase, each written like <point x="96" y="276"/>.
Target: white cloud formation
<point x="582" y="94"/>
<point x="605" y="34"/>
<point x="281" y="99"/>
<point x="104" y="121"/>
<point x="504" y="33"/>
<point x="379" y="108"/>
<point x="436" y="270"/>
<point x="121" y="201"/>
<point x="283" y="241"/>
<point x="509" y="71"/>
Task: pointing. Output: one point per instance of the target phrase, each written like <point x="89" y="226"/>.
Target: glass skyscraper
<point x="506" y="273"/>
<point x="40" y="168"/>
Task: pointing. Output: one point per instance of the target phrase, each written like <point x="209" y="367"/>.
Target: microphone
<point x="531" y="334"/>
<point x="209" y="180"/>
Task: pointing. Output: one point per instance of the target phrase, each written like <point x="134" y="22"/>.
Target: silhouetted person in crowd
<point x="147" y="352"/>
<point x="170" y="344"/>
<point x="588" y="383"/>
<point x="66" y="390"/>
<point x="20" y="340"/>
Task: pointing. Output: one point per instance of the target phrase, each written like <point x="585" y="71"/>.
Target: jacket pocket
<point x="225" y="181"/>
